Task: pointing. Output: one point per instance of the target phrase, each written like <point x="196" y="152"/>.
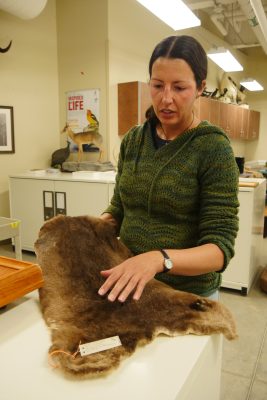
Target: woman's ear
<point x="201" y="88"/>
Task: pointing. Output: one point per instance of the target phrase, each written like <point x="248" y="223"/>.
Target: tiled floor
<point x="244" y="367"/>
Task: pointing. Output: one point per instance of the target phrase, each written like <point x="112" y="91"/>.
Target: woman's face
<point x="173" y="91"/>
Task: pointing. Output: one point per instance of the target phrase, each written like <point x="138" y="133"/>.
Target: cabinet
<point x="236" y="121"/>
<point x="208" y="109"/>
<point x="242" y="115"/>
<point x="253" y="125"/>
<point x="133" y="101"/>
<point x="248" y="124"/>
<point x="246" y="262"/>
<point x="228" y="119"/>
<point x="34" y="200"/>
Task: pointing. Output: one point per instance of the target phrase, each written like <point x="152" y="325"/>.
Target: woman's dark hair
<point x="186" y="48"/>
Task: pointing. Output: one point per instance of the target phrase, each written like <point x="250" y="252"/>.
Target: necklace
<point x="164" y="136"/>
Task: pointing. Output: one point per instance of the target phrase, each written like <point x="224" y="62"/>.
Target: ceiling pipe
<point x="253" y="20"/>
<point x="217" y="20"/>
<point x="199" y="5"/>
<point x="245" y="46"/>
<point x="261" y="16"/>
<point x="26" y="9"/>
<point x="238" y="14"/>
<point x="236" y="23"/>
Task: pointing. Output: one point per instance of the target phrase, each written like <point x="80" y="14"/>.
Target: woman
<point x="175" y="200"/>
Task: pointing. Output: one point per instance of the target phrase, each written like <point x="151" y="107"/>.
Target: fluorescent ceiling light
<point x="251" y="84"/>
<point x="224" y="59"/>
<point x="173" y="12"/>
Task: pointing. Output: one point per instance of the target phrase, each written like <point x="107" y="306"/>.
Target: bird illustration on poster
<point x="83" y="114"/>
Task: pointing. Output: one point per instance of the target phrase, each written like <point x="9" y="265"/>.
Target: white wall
<point x="82" y="27"/>
<point x="29" y="83"/>
<point x="257" y="150"/>
<point x="133" y="33"/>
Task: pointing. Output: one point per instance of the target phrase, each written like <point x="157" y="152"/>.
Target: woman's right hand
<point x="109" y="218"/>
<point x="131" y="276"/>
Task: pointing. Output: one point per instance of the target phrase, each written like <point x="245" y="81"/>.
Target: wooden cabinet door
<point x="204" y="108"/>
<point x="197" y="107"/>
<point x="253" y="125"/>
<point x="208" y="109"/>
<point x="242" y="115"/>
<point x="214" y="112"/>
<point x="127" y="106"/>
<point x="224" y="116"/>
<point x="133" y="101"/>
<point x="144" y="101"/>
<point x="228" y="118"/>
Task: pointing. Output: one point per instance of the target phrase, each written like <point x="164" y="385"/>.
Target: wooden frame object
<point x="17" y="278"/>
<point x="7" y="144"/>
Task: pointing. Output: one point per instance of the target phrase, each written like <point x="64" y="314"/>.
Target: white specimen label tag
<point x="99" y="345"/>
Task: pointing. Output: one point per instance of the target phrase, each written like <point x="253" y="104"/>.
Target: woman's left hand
<point x="131" y="276"/>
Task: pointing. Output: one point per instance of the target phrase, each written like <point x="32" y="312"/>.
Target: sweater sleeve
<point x="218" y="176"/>
<point x="115" y="207"/>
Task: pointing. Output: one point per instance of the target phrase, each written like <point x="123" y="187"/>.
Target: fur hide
<point x="71" y="252"/>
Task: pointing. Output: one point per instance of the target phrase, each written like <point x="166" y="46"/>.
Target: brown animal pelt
<point x="71" y="252"/>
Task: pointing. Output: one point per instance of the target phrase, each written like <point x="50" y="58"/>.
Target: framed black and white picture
<point x="7" y="144"/>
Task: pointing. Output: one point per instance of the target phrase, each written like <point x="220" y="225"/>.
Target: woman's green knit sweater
<point x="181" y="195"/>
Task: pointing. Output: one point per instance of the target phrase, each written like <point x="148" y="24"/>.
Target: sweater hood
<point x="207" y="128"/>
<point x="203" y="129"/>
<point x="185" y="139"/>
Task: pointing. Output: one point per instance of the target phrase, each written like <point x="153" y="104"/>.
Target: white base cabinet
<point x="244" y="266"/>
<point x="34" y="200"/>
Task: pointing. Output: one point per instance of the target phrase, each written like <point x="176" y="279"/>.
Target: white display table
<point x="180" y="368"/>
<point x="245" y="265"/>
<point x="37" y="196"/>
<point x="10" y="229"/>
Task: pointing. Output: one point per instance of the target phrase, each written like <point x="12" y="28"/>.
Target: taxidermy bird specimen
<point x="91" y="118"/>
<point x="90" y="136"/>
<point x="92" y="121"/>
<point x="212" y="94"/>
<point x="231" y="92"/>
<point x="60" y="155"/>
<point x="71" y="252"/>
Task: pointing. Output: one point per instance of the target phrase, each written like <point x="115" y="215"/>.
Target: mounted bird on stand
<point x="59" y="156"/>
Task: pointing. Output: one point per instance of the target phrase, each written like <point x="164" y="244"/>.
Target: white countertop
<point x="87" y="176"/>
<point x="159" y="371"/>
<point x="101" y="177"/>
<point x="260" y="181"/>
<point x="254" y="180"/>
